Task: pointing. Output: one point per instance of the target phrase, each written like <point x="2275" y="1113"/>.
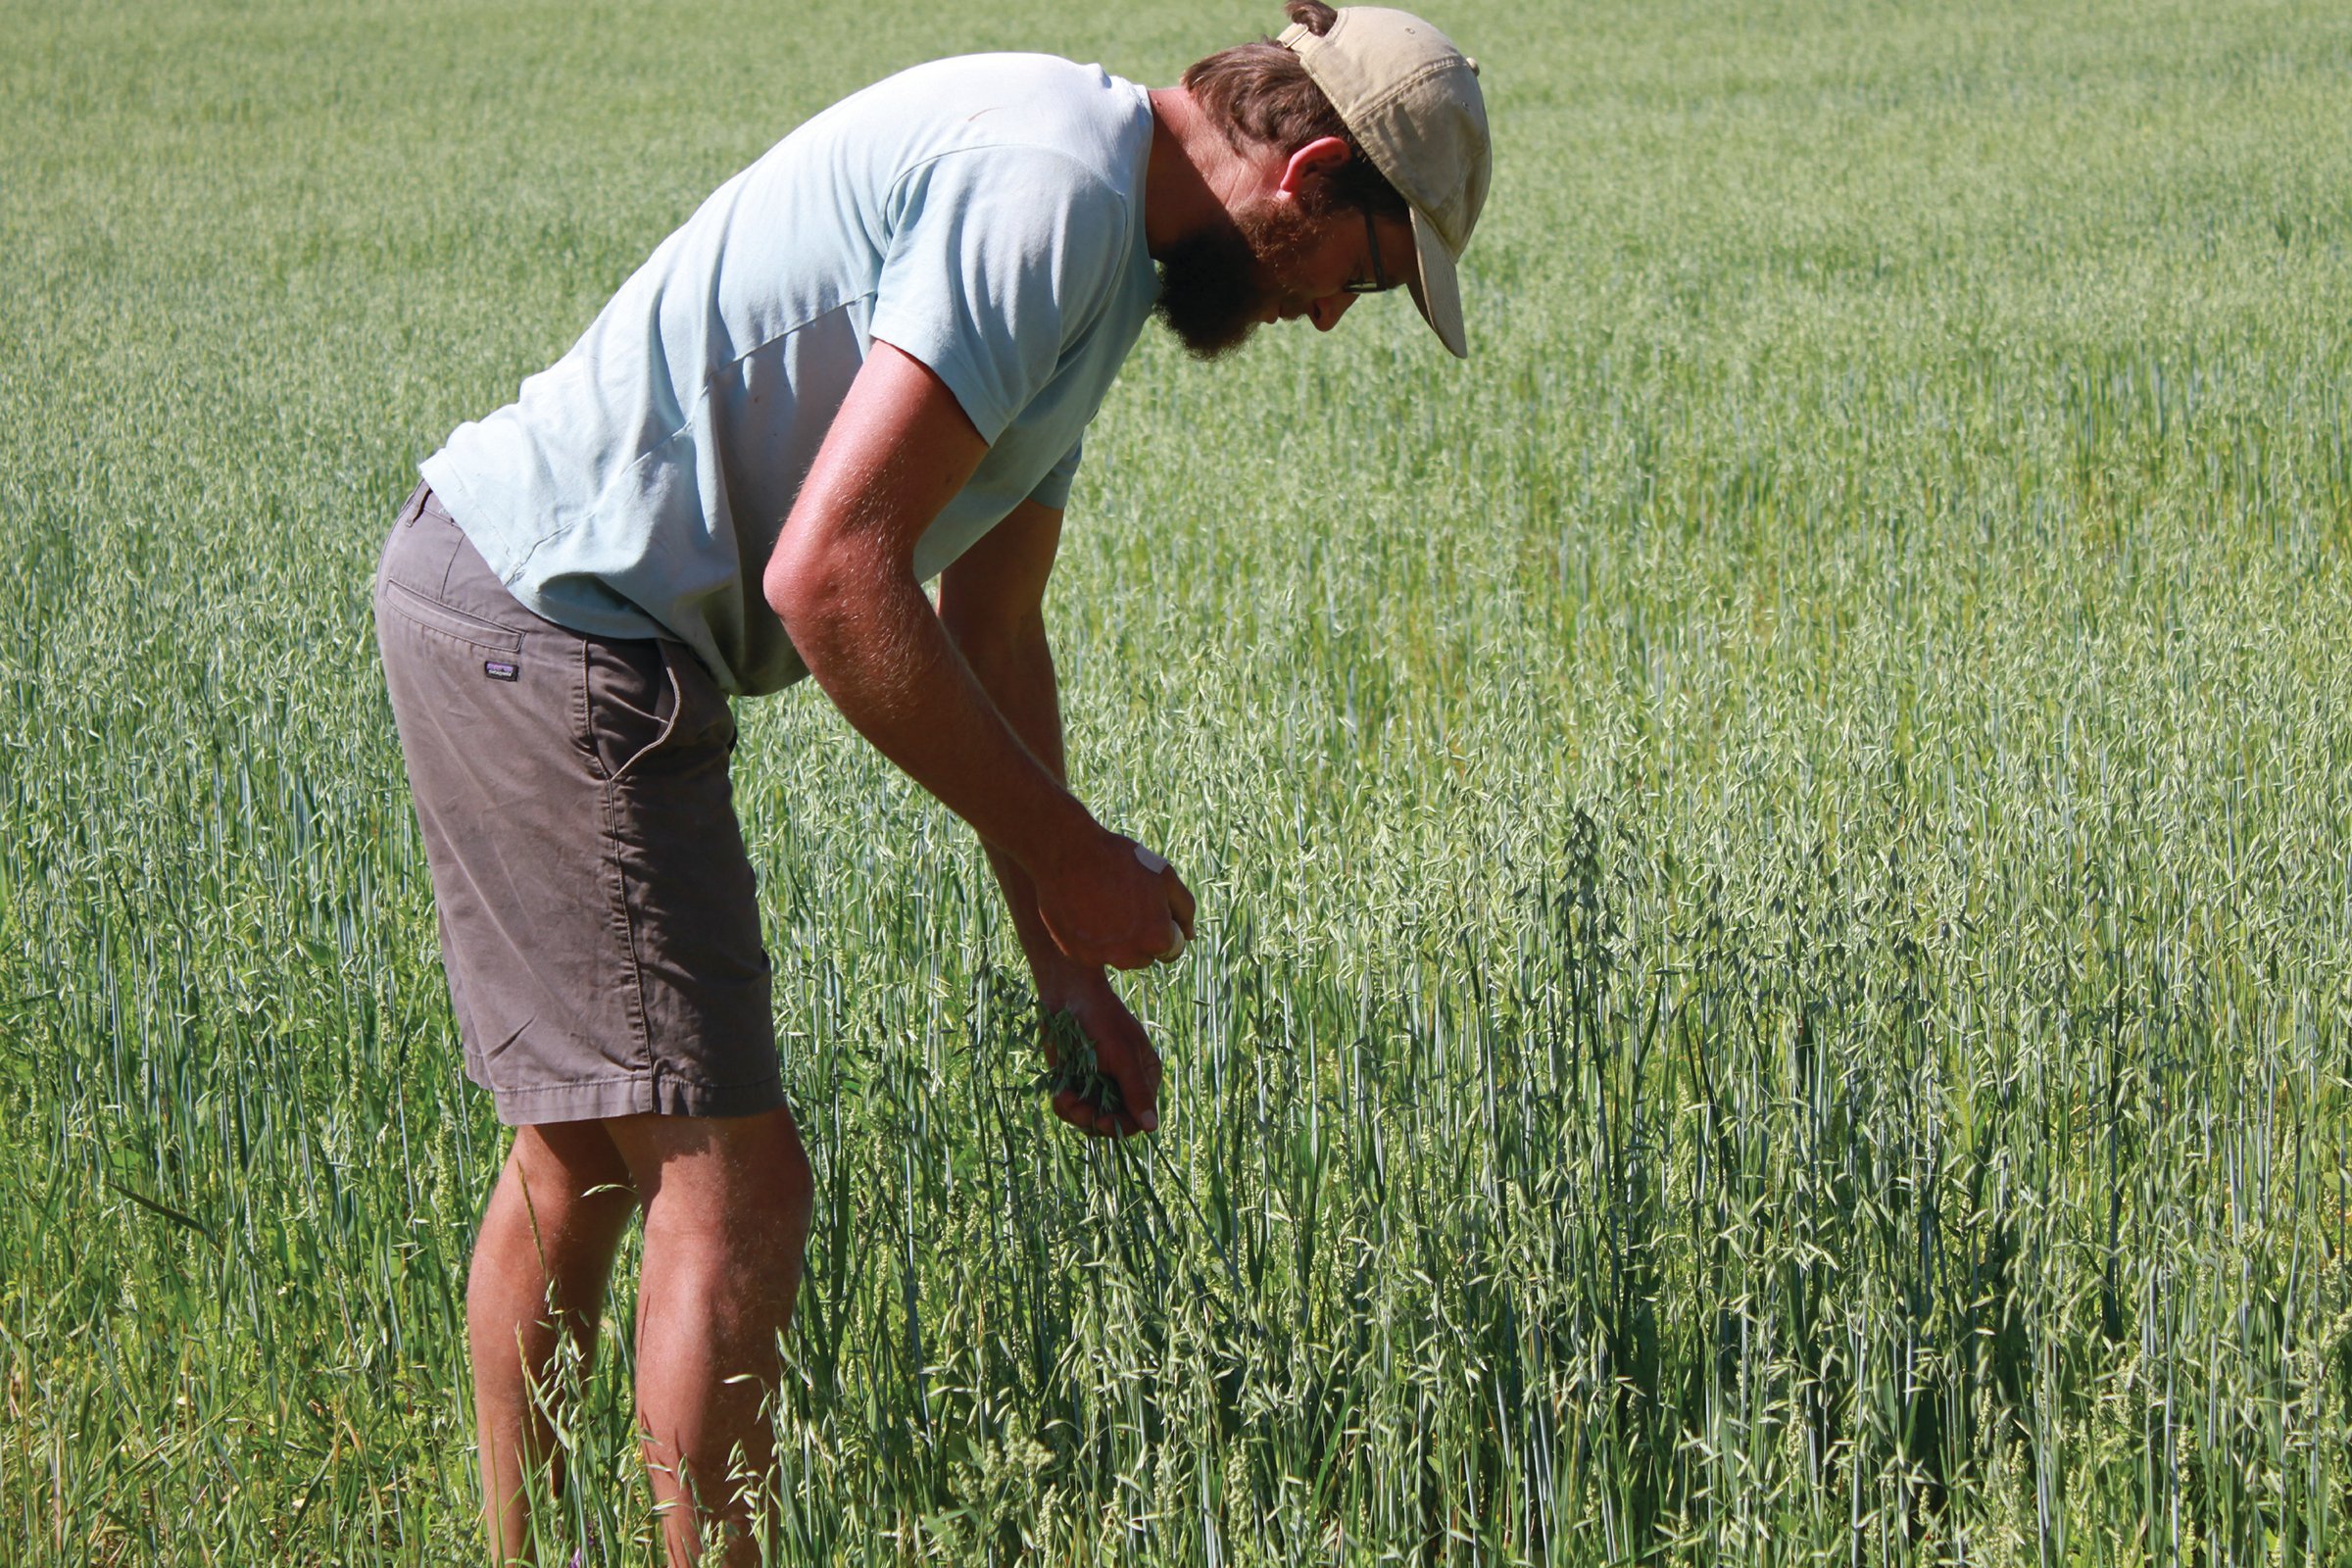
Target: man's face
<point x="1281" y="258"/>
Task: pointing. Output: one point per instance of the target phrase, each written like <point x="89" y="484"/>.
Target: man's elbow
<point x="801" y="587"/>
<point x="831" y="599"/>
<point x="781" y="586"/>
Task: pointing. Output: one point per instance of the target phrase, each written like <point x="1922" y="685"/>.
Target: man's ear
<point x="1316" y="160"/>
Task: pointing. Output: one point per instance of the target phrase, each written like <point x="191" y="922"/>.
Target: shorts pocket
<point x="655" y="714"/>
<point x="427" y="610"/>
<point x="634" y="702"/>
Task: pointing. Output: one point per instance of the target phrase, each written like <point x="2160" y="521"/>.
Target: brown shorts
<point x="597" y="913"/>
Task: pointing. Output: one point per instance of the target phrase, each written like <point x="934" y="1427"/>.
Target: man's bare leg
<point x="726" y="1215"/>
<point x="549" y="1235"/>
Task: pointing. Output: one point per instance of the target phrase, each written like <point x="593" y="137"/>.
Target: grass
<point x="1775" y="943"/>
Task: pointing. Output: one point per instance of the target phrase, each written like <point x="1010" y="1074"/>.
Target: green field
<point x="1774" y="852"/>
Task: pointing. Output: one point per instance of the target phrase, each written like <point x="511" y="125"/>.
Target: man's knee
<point x="564" y="1175"/>
<point x="552" y="1223"/>
<point x="773" y="1183"/>
<point x="796" y="1182"/>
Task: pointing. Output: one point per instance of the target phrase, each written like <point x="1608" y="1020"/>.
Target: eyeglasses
<point x="1379" y="283"/>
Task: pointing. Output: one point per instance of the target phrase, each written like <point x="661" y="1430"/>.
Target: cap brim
<point x="1437" y="290"/>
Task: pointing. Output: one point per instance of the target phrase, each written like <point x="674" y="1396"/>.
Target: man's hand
<point x="1109" y="901"/>
<point x="1123" y="1055"/>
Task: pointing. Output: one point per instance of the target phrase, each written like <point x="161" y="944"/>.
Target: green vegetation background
<point x="1777" y="919"/>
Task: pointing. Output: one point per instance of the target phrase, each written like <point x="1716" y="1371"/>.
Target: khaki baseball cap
<point x="1412" y="100"/>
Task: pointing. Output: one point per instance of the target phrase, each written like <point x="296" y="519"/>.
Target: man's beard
<point x="1215" y="285"/>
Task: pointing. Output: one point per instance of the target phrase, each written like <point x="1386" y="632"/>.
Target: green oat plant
<point x="1776" y="928"/>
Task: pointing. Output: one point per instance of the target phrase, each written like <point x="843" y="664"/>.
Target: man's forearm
<point x="1016" y="672"/>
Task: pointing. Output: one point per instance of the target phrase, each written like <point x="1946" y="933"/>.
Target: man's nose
<point x="1326" y="312"/>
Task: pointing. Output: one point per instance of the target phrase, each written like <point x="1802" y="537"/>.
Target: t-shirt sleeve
<point x="1054" y="490"/>
<point x="997" y="258"/>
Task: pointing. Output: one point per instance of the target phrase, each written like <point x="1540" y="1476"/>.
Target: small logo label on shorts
<point x="499" y="669"/>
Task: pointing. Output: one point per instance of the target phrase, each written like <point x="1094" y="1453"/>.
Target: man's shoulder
<point x="1016" y="104"/>
<point x="1037" y="83"/>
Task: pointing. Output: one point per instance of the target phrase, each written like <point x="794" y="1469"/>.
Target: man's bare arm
<point x="843" y="581"/>
<point x="992" y="602"/>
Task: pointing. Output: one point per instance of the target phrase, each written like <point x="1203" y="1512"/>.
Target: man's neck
<point x="1194" y="178"/>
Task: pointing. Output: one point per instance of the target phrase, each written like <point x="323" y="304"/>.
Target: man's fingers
<point x="1144" y="1094"/>
<point x="1180" y="915"/>
<point x="1138" y="1094"/>
<point x="1091" y="1121"/>
<point x="1180" y="904"/>
<point x="1180" y="897"/>
<point x="1135" y="1067"/>
<point x="1139" y="1112"/>
<point x="1074" y="1110"/>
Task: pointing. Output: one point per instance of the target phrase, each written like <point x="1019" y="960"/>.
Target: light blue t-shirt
<point x="984" y="215"/>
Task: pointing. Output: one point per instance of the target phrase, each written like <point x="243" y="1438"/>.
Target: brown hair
<point x="1259" y="94"/>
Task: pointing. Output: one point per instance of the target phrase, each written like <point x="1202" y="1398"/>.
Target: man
<point x="867" y="361"/>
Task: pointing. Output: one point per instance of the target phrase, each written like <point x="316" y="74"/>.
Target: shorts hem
<point x="651" y="1093"/>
